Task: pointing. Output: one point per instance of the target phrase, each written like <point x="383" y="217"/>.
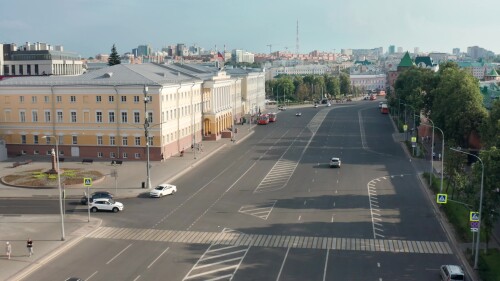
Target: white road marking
<point x="378" y="264"/>
<point x="326" y="264"/>
<point x="305" y="201"/>
<point x="91" y="275"/>
<point x="151" y="264"/>
<point x="333" y="217"/>
<point x="299" y="217"/>
<point x="283" y="264"/>
<point x="118" y="254"/>
<point x="137" y="278"/>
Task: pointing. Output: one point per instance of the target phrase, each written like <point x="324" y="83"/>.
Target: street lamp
<point x="146" y="132"/>
<point x="58" y="184"/>
<point x="442" y="154"/>
<point x="480" y="205"/>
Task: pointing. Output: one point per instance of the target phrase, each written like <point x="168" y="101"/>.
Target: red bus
<point x="263" y="119"/>
<point x="272" y="117"/>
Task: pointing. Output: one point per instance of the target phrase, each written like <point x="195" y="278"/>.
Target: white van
<point x="451" y="273"/>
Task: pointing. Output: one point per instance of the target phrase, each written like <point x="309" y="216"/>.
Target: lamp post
<point x="146" y="133"/>
<point x="58" y="185"/>
<point x="442" y="154"/>
<point x="480" y="204"/>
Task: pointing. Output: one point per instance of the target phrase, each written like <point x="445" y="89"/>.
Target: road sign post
<point x="88" y="183"/>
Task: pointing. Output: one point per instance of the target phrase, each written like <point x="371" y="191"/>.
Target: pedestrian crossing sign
<point x="405" y="127"/>
<point x="87" y="181"/>
<point x="474" y="216"/>
<point x="442" y="198"/>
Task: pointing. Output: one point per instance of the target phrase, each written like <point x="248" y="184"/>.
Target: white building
<point x="369" y="81"/>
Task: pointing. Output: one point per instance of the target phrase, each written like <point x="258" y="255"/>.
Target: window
<point x="99" y="154"/>
<point x="112" y="140"/>
<point x="137" y="140"/>
<point x="23" y="139"/>
<point x="124" y="117"/>
<point x="111" y="98"/>
<point x="98" y="99"/>
<point x="46" y="99"/>
<point x="21" y="99"/>
<point x="47" y="140"/>
<point x="47" y="116"/>
<point x="150" y="140"/>
<point x="59" y="117"/>
<point x="150" y="117"/>
<point x="112" y="155"/>
<point x="73" y="116"/>
<point x="59" y="98"/>
<point x="111" y="117"/>
<point x="137" y="117"/>
<point x="72" y="99"/>
<point x="74" y="140"/>
<point x="34" y="116"/>
<point x="61" y="139"/>
<point x="137" y="155"/>
<point x="136" y="99"/>
<point x="125" y="155"/>
<point x="99" y="140"/>
<point x="22" y="116"/>
<point x="124" y="98"/>
<point x="33" y="99"/>
<point x="35" y="139"/>
<point x="36" y="152"/>
<point x="124" y="141"/>
<point x="98" y="117"/>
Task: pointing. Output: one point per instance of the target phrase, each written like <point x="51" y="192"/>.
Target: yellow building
<point x="102" y="114"/>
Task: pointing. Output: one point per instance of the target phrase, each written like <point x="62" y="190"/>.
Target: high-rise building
<point x="392" y="49"/>
<point x="456" y="51"/>
<point x="416" y="50"/>
<point x="400" y="50"/>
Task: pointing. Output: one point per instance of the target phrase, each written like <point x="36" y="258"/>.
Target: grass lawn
<point x="489" y="265"/>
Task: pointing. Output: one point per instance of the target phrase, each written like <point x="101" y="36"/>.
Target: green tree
<point x="114" y="58"/>
<point x="412" y="86"/>
<point x="332" y="85"/>
<point x="345" y="84"/>
<point x="490" y="130"/>
<point x="491" y="194"/>
<point x="458" y="106"/>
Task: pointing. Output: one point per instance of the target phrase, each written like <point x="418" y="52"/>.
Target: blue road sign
<point x="442" y="198"/>
<point x="474" y="216"/>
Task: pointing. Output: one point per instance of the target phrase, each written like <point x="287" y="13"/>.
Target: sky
<point x="91" y="27"/>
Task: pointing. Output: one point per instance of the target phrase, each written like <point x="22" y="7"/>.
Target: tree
<point x="114" y="58"/>
<point x="490" y="130"/>
<point x="332" y="85"/>
<point x="345" y="84"/>
<point x="458" y="105"/>
<point x="491" y="192"/>
<point x="412" y="86"/>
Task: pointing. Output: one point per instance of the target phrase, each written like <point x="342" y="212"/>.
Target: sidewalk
<point x="45" y="230"/>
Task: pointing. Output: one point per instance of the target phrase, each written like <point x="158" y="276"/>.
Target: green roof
<point x="493" y="73"/>
<point x="406" y="61"/>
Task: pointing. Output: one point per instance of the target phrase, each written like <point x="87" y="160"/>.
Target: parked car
<point x="162" y="190"/>
<point x="96" y="195"/>
<point x="105" y="204"/>
<point x="335" y="162"/>
<point x="451" y="272"/>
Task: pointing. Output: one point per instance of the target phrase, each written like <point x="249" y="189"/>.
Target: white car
<point x="105" y="204"/>
<point x="162" y="190"/>
<point x="335" y="162"/>
<point x="315" y="106"/>
<point x="298" y="114"/>
<point x="328" y="104"/>
<point x="451" y="272"/>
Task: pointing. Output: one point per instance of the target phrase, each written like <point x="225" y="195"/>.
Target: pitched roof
<point x="120" y="74"/>
<point x="493" y="72"/>
<point x="406" y="61"/>
<point x="425" y="60"/>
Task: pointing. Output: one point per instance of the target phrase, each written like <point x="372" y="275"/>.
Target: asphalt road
<point x="270" y="208"/>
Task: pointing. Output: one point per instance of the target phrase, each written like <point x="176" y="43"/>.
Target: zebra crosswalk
<point x="261" y="211"/>
<point x="281" y="241"/>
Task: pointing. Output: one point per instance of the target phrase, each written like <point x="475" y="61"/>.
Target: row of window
<point x="99" y="154"/>
<point x="72" y="99"/>
<point x="167" y="115"/>
<point x="74" y="140"/>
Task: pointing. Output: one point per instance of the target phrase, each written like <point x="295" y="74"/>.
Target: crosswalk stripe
<point x="234" y="239"/>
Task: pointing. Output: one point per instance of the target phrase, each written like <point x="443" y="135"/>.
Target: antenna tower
<point x="297" y="40"/>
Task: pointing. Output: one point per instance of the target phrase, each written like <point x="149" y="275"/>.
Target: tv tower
<point x="297" y="40"/>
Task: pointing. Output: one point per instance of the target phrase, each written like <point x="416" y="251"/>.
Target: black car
<point x="96" y="195"/>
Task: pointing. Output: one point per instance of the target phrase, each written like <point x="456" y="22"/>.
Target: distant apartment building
<point x="456" y="51"/>
<point x="480" y="70"/>
<point x="347" y="52"/>
<point x="476" y="52"/>
<point x="312" y="69"/>
<point x="102" y="114"/>
<point x="240" y="56"/>
<point x="369" y="82"/>
<point x="142" y="51"/>
<point x="33" y="59"/>
<point x="392" y="49"/>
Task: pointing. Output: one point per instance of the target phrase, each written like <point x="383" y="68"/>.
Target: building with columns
<point x="102" y="114"/>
